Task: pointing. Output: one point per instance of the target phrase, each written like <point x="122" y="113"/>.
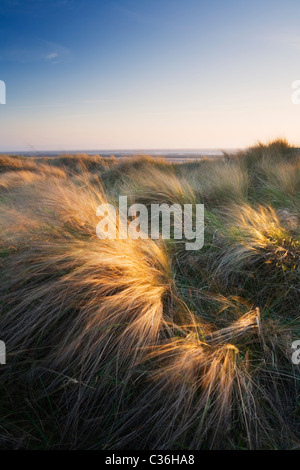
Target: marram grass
<point x="138" y="344"/>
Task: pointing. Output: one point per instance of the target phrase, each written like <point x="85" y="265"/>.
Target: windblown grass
<point x="126" y="344"/>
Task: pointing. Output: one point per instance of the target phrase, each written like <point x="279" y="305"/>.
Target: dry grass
<point x="137" y="344"/>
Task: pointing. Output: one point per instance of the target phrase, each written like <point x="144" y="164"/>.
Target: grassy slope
<point x="139" y="343"/>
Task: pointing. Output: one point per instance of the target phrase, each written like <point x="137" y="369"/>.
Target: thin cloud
<point x="36" y="50"/>
<point x="134" y="15"/>
<point x="93" y="101"/>
<point x="33" y="6"/>
<point x="52" y="55"/>
<point x="289" y="39"/>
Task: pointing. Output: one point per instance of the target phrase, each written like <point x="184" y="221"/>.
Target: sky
<point x="148" y="74"/>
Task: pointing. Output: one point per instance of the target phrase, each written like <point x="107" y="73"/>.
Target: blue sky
<point x="148" y="74"/>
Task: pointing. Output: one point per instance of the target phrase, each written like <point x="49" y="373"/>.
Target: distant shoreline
<point x="173" y="156"/>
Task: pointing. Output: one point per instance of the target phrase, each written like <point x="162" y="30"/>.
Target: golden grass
<point x="126" y="344"/>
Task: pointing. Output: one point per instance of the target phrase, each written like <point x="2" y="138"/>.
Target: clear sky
<point x="148" y="74"/>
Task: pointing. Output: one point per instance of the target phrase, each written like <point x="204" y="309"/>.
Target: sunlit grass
<point x="138" y="343"/>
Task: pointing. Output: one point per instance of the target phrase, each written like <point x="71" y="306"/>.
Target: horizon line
<point x="122" y="150"/>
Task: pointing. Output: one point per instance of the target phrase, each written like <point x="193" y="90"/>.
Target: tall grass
<point x="136" y="343"/>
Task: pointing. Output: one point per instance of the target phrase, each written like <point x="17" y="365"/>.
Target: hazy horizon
<point x="124" y="150"/>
